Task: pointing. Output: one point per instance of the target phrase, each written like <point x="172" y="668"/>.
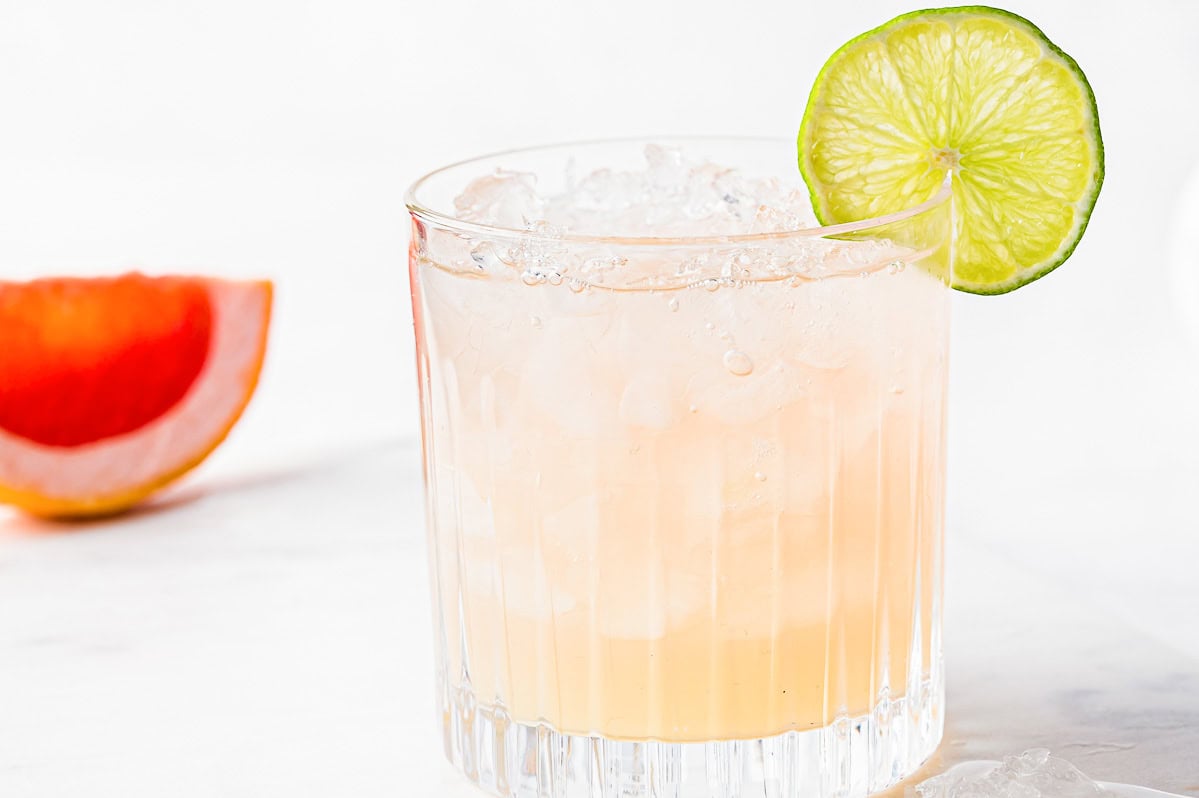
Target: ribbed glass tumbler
<point x="684" y="491"/>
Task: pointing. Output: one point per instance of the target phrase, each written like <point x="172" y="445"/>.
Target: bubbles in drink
<point x="737" y="362"/>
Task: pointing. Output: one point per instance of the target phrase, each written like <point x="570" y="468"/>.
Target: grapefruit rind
<point x="59" y="483"/>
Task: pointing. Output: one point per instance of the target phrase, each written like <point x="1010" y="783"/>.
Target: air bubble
<point x="896" y="389"/>
<point x="532" y="278"/>
<point x="710" y="285"/>
<point x="709" y="326"/>
<point x="758" y="475"/>
<point x="895" y="267"/>
<point x="737" y="362"/>
<point x="555" y="278"/>
<point x="673" y="304"/>
<point x="576" y="285"/>
<point x="535" y="321"/>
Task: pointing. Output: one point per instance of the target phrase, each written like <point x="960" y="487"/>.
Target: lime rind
<point x="935" y="125"/>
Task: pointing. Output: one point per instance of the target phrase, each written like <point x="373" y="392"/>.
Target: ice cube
<point x="504" y="198"/>
<point x="1033" y="774"/>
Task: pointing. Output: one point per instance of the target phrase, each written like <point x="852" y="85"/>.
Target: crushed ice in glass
<point x="1033" y="774"/>
<point x="671" y="196"/>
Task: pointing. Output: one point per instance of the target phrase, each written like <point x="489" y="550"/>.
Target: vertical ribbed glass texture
<point x="685" y="517"/>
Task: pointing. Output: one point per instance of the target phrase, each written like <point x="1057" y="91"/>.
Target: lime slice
<point x="974" y="91"/>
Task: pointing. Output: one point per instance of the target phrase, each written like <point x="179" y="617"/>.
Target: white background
<point x="277" y="138"/>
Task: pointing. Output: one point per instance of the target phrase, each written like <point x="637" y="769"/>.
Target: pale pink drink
<point x="685" y="467"/>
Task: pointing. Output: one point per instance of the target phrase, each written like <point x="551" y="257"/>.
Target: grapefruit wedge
<point x="110" y="388"/>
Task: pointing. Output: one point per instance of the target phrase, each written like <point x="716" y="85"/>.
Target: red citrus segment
<point x="84" y="360"/>
<point x="113" y="473"/>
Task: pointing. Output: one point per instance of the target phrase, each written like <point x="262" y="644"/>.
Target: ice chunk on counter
<point x="1034" y="774"/>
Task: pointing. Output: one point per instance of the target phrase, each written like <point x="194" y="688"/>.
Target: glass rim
<point x="421" y="211"/>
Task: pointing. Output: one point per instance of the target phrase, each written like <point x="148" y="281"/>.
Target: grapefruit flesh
<point x="110" y="388"/>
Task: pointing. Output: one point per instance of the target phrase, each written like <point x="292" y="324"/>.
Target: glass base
<point x="851" y="757"/>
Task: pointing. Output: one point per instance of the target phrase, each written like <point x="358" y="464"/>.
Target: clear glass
<point x="685" y="495"/>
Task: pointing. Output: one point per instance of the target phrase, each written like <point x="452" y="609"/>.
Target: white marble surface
<point x="267" y="633"/>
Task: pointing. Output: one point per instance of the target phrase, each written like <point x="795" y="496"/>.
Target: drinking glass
<point x="684" y="491"/>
